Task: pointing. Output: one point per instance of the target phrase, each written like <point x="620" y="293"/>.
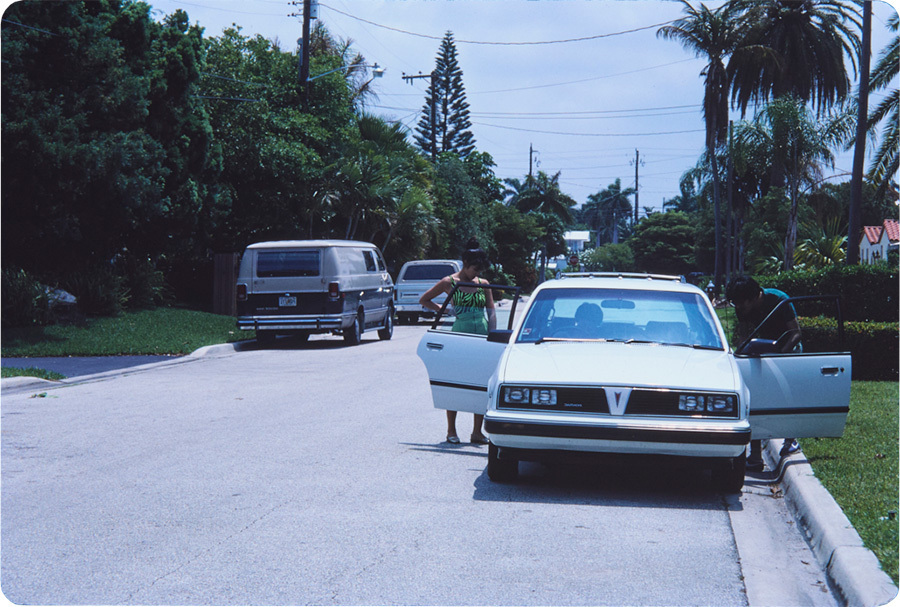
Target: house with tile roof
<point x="877" y="241"/>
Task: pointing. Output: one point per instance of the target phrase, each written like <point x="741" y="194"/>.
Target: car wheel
<point x="730" y="479"/>
<point x="388" y="330"/>
<point x="501" y="470"/>
<point x="353" y="333"/>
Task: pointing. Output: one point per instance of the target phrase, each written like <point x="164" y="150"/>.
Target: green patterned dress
<point x="470" y="311"/>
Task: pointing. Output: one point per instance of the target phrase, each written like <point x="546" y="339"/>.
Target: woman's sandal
<point x="478" y="439"/>
<point x="452" y="439"/>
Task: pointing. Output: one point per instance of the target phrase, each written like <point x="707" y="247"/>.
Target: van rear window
<point x="287" y="263"/>
<point x="428" y="272"/>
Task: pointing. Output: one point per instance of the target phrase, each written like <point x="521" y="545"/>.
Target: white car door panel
<point x="797" y="395"/>
<point x="459" y="366"/>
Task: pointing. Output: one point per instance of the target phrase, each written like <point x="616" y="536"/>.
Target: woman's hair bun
<point x="472" y="244"/>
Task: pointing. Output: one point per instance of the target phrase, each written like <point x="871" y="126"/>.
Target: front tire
<point x="730" y="479"/>
<point x="387" y="331"/>
<point x="501" y="470"/>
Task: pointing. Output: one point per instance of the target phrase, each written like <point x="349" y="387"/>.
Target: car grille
<point x="642" y="402"/>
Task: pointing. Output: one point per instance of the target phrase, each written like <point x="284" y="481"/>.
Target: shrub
<point x="144" y="283"/>
<point x="874" y="346"/>
<point x="100" y="291"/>
<point x="25" y="301"/>
<point x="868" y="292"/>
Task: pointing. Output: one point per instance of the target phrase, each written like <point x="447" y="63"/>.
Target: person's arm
<point x="791" y="337"/>
<point x="442" y="286"/>
<point x="489" y="308"/>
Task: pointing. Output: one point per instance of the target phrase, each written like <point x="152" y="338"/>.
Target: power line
<point x="512" y="128"/>
<point x="482" y="42"/>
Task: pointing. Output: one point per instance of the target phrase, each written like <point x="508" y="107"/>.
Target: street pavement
<point x="242" y="475"/>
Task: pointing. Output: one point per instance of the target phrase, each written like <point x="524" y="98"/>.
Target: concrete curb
<point x="852" y="568"/>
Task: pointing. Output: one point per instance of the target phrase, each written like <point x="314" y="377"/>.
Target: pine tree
<point x="448" y="129"/>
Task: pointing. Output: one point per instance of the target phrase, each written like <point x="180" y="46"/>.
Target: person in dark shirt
<point x="753" y="305"/>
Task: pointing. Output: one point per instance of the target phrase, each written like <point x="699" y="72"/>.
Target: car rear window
<point x="271" y="264"/>
<point x="431" y="271"/>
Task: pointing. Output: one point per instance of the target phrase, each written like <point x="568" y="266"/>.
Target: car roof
<point x="635" y="282"/>
<point x="281" y="244"/>
<point x="419" y="262"/>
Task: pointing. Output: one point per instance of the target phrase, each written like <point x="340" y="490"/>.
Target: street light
<point x="377" y="72"/>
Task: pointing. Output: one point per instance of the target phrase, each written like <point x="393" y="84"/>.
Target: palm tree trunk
<point x="855" y="228"/>
<point x="790" y="240"/>
<point x="717" y="214"/>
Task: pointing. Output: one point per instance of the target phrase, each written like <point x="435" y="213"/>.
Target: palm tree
<point x="787" y="134"/>
<point x="794" y="47"/>
<point x="885" y="164"/>
<point x="540" y="194"/>
<point x="608" y="210"/>
<point x="713" y="35"/>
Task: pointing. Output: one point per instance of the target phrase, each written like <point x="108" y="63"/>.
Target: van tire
<point x="387" y="331"/>
<point x="265" y="337"/>
<point x="353" y="333"/>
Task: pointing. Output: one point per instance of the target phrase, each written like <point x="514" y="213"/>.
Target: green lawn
<point x="158" y="331"/>
<point x="860" y="469"/>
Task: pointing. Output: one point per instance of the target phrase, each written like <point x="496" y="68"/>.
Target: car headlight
<point x="700" y="403"/>
<point x="516" y="395"/>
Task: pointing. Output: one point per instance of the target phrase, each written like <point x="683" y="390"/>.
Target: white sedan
<point x="632" y="364"/>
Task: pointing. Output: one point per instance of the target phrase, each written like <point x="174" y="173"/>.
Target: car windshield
<point x="634" y="316"/>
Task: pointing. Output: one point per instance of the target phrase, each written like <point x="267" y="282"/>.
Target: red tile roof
<point x="872" y="233"/>
<point x="892" y="227"/>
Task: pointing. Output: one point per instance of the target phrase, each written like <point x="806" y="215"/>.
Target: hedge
<point x="868" y="292"/>
<point x="874" y="346"/>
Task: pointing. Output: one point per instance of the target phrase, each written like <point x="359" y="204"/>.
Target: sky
<point x="581" y="87"/>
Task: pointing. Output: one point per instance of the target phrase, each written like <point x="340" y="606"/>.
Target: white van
<point x="414" y="279"/>
<point x="300" y="287"/>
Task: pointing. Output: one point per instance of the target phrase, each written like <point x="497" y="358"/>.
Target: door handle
<point x="830" y="371"/>
<point x="433" y="346"/>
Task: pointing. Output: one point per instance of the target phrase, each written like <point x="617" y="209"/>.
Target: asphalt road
<point x="317" y="474"/>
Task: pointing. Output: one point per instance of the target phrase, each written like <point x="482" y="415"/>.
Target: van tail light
<point x="334" y="291"/>
<point x="241" y="292"/>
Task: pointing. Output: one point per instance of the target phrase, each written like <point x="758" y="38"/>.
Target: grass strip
<point x="860" y="469"/>
<point x="157" y="331"/>
<point x="30" y="372"/>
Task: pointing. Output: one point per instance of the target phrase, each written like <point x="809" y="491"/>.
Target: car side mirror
<point x="499" y="336"/>
<point x="757" y="346"/>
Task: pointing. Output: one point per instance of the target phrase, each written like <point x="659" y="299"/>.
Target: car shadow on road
<point x="287" y="342"/>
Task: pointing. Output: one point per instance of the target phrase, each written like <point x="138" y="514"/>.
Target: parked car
<point x="414" y="279"/>
<point x="633" y="364"/>
<point x="300" y="287"/>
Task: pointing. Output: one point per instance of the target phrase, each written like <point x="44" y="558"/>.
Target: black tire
<point x="730" y="479"/>
<point x="501" y="470"/>
<point x="387" y="331"/>
<point x="353" y="333"/>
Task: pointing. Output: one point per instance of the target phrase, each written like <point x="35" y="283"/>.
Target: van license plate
<point x="287" y="302"/>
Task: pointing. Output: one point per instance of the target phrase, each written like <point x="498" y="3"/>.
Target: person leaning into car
<point x="752" y="305"/>
<point x="474" y="312"/>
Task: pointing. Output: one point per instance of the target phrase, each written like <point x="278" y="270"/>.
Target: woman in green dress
<point x="473" y="308"/>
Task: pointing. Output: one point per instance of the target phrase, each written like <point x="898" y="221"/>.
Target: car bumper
<point x="413" y="309"/>
<point x="285" y="323"/>
<point x="716" y="439"/>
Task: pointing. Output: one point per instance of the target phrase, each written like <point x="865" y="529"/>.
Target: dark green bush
<point x="868" y="292"/>
<point x="144" y="283"/>
<point x="874" y="346"/>
<point x="100" y="291"/>
<point x="25" y="301"/>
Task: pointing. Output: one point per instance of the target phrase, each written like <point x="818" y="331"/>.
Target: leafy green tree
<point x="663" y="243"/>
<point x="515" y="237"/>
<point x="609" y="258"/>
<point x="448" y="129"/>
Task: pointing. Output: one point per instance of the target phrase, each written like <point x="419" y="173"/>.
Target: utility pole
<point x="531" y="153"/>
<point x="637" y="186"/>
<point x="433" y="76"/>
<point x="304" y="44"/>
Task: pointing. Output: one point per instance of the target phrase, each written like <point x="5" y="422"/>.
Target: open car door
<point x="460" y="364"/>
<point x="803" y="392"/>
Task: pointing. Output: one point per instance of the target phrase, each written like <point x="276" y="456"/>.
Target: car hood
<point x="615" y="363"/>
